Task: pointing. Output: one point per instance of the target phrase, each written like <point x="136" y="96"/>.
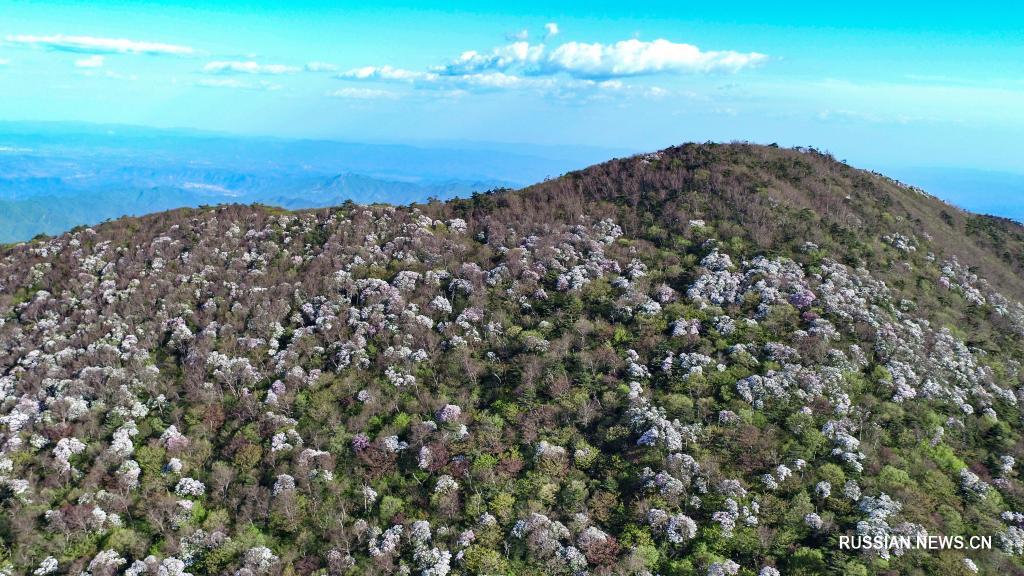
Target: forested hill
<point x="714" y="359"/>
<point x="774" y="199"/>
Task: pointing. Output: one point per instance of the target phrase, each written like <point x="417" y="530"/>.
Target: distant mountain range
<point x="57" y="176"/>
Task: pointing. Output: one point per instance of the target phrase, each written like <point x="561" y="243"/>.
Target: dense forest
<point x="716" y="359"/>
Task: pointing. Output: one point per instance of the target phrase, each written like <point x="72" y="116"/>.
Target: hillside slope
<point x="715" y="359"/>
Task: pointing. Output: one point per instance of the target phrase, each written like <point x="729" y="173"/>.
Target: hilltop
<point x="712" y="359"/>
<point x="775" y="199"/>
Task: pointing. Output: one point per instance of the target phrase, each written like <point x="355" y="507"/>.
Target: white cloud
<point x="635" y="57"/>
<point x="478" y="81"/>
<point x="493" y="81"/>
<point x="611" y="85"/>
<point x="519" y="35"/>
<point x="321" y="67"/>
<point x="95" y="61"/>
<point x="248" y="67"/>
<point x="237" y="84"/>
<point x="363" y="94"/>
<point x="501" y="58"/>
<point x="4" y="62"/>
<point x="588" y="90"/>
<point x="550" y="30"/>
<point x="570" y="70"/>
<point x="655" y="92"/>
<point x="388" y="73"/>
<point x="582" y="60"/>
<point x="93" y="45"/>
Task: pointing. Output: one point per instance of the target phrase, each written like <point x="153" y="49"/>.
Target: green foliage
<point x="389" y="507"/>
<point x="892" y="478"/>
<point x="483" y="561"/>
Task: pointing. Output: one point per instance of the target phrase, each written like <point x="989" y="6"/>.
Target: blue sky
<point x="879" y="83"/>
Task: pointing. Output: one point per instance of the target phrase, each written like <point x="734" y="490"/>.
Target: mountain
<point x="712" y="359"/>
